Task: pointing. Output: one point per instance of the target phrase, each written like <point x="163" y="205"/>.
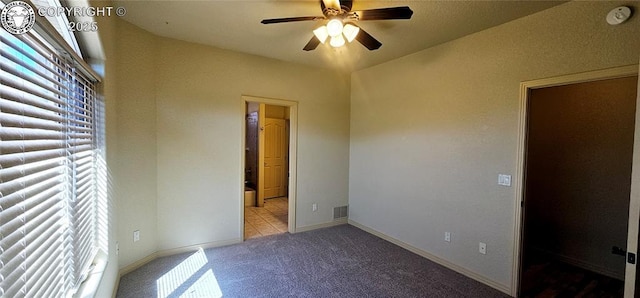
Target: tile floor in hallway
<point x="268" y="220"/>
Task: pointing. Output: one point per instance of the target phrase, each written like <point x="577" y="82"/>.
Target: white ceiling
<point x="235" y="25"/>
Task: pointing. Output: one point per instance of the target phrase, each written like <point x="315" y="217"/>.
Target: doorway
<point x="577" y="143"/>
<point x="269" y="166"/>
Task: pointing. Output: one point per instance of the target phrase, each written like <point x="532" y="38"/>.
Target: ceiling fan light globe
<point x="321" y="33"/>
<point x="337" y="41"/>
<point x="350" y="32"/>
<point x="334" y="27"/>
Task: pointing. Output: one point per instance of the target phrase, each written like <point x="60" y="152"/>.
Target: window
<point x="59" y="22"/>
<point x="52" y="173"/>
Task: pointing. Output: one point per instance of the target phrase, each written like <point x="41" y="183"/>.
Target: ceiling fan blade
<point x="293" y="19"/>
<point x="347" y="4"/>
<point x="367" y="40"/>
<point x="312" y="44"/>
<point x="335" y="4"/>
<point x="389" y="13"/>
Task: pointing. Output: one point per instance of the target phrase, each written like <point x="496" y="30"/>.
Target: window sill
<point x="90" y="285"/>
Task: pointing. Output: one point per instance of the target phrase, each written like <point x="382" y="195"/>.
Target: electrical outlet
<point x="482" y="248"/>
<point x="136" y="235"/>
<point x="117" y="248"/>
<point x="314" y="207"/>
<point x="447" y="236"/>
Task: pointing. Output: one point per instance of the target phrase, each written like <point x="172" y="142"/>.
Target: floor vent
<point x="340" y="212"/>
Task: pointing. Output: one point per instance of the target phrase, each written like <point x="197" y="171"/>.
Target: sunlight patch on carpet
<point x="205" y="286"/>
<point x="189" y="273"/>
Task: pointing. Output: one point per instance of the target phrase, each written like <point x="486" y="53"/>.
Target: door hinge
<point x="631" y="258"/>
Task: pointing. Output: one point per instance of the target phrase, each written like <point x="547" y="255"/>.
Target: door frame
<point x="634" y="201"/>
<point x="293" y="153"/>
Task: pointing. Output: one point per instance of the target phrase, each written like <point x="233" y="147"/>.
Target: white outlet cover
<point x="447" y="236"/>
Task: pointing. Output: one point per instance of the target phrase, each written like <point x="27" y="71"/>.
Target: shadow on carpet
<point x="341" y="261"/>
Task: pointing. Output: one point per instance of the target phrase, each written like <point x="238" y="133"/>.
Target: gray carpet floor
<point x="341" y="261"/>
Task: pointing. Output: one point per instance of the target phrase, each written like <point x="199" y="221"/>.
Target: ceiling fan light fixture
<point x="337" y="41"/>
<point x="341" y="23"/>
<point x="334" y="28"/>
<point x="321" y="33"/>
<point x="350" y="32"/>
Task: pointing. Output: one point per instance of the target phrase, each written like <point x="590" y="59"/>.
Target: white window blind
<point x="50" y="209"/>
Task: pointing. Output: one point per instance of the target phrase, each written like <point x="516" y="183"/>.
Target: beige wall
<point x="430" y="132"/>
<point x="136" y="137"/>
<point x="200" y="115"/>
<point x="179" y="135"/>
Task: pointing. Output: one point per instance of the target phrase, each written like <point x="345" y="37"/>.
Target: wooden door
<point x="275" y="158"/>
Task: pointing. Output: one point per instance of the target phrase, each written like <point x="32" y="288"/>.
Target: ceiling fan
<point x="341" y="23"/>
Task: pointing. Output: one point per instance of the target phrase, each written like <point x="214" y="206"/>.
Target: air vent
<point x="340" y="212"/>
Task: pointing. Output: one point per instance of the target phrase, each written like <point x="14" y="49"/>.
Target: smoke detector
<point x="618" y="15"/>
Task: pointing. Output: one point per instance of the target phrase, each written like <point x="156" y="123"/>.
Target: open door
<point x="631" y="288"/>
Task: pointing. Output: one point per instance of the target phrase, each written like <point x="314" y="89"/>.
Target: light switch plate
<point x="504" y="179"/>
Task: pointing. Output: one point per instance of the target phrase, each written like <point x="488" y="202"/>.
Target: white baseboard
<point x="336" y="222"/>
<point x="464" y="271"/>
<point x="174" y="251"/>
<point x="192" y="248"/>
<point x="137" y="264"/>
